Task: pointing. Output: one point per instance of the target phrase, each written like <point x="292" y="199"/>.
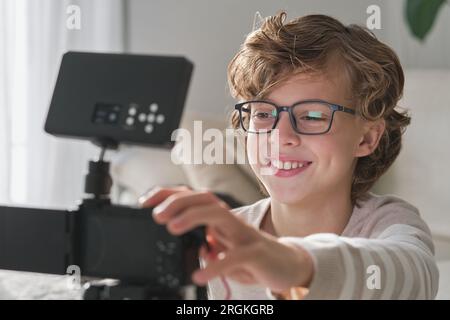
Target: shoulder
<point x="253" y="213"/>
<point x="376" y="213"/>
<point x="386" y="203"/>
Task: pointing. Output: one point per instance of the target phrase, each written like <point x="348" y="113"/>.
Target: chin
<point x="286" y="198"/>
<point x="285" y="194"/>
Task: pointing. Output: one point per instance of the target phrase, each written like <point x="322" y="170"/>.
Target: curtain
<point x="35" y="168"/>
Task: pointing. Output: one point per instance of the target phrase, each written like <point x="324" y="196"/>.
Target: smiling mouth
<point x="286" y="168"/>
<point x="289" y="165"/>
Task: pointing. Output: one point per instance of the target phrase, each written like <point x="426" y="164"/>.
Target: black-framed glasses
<point x="307" y="117"/>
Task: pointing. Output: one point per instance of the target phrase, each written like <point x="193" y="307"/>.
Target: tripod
<point x="98" y="183"/>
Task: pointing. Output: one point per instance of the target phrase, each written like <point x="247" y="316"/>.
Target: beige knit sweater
<point x="385" y="252"/>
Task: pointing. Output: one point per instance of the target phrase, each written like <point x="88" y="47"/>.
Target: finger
<point x="219" y="238"/>
<point x="210" y="215"/>
<point x="158" y="194"/>
<point x="231" y="230"/>
<point x="217" y="241"/>
<point x="242" y="276"/>
<point x="204" y="253"/>
<point x="210" y="250"/>
<point x="232" y="262"/>
<point x="178" y="202"/>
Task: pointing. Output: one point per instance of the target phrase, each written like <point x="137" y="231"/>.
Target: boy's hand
<point x="244" y="254"/>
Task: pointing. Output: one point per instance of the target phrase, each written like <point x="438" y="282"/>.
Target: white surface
<point x="33" y="286"/>
<point x="20" y="285"/>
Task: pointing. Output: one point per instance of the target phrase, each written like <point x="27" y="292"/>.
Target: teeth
<point x="275" y="163"/>
<point x="287" y="165"/>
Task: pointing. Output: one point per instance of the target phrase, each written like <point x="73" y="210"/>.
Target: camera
<point x="109" y="99"/>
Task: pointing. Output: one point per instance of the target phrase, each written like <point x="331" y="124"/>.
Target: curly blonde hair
<point x="277" y="50"/>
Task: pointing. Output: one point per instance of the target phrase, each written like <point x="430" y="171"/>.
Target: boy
<point x="329" y="91"/>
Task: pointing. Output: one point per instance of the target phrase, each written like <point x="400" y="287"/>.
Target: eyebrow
<point x="297" y="101"/>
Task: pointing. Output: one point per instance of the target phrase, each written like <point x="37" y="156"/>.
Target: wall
<point x="210" y="32"/>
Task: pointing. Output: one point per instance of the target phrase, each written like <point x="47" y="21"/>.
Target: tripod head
<point x="98" y="181"/>
<point x="98" y="184"/>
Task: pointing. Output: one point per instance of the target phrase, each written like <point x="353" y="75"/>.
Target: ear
<point x="372" y="132"/>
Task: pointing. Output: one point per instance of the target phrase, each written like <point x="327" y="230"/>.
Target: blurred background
<point x="40" y="170"/>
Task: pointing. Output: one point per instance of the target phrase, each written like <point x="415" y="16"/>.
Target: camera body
<point x="119" y="242"/>
<point x="104" y="241"/>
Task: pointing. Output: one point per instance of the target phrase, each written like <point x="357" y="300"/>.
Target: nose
<point x="286" y="134"/>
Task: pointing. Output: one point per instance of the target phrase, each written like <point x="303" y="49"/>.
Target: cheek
<point x="252" y="149"/>
<point x="257" y="153"/>
<point x="336" y="153"/>
<point x="257" y="148"/>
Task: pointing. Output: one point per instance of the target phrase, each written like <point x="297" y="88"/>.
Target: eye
<point x="313" y="116"/>
<point x="261" y="115"/>
<point x="264" y="115"/>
